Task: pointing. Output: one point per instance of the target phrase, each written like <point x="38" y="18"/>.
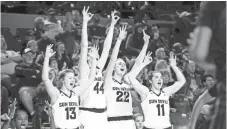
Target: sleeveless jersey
<point x="156" y="110"/>
<point x="119" y="100"/>
<point x="94" y="97"/>
<point x="65" y="111"/>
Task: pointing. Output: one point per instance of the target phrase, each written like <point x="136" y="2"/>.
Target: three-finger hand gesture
<point x="49" y="51"/>
<point x="48" y="108"/>
<point x="114" y="17"/>
<point x="147" y="59"/>
<point x="172" y="60"/>
<point x="86" y="15"/>
<point x="123" y="33"/>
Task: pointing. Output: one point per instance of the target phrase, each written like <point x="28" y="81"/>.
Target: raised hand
<point x="147" y="59"/>
<point x="12" y="108"/>
<point x="48" y="108"/>
<point x="94" y="52"/>
<point x="172" y="60"/>
<point x="123" y="33"/>
<point x="146" y="37"/>
<point x="49" y="51"/>
<point x="5" y="117"/>
<point x="86" y="15"/>
<point x="114" y="17"/>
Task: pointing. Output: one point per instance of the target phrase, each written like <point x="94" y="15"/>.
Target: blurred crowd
<point x="21" y="70"/>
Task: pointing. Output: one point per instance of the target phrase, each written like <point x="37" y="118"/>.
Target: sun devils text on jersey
<point x="65" y="111"/>
<point x="119" y="100"/>
<point x="156" y="108"/>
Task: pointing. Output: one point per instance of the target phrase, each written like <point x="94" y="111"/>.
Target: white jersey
<point x="119" y="100"/>
<point x="156" y="110"/>
<point x="94" y="97"/>
<point x="65" y="111"/>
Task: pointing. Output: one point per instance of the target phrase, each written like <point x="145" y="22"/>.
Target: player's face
<point x="120" y="67"/>
<point x="139" y="122"/>
<point x="21" y="121"/>
<point x="69" y="81"/>
<point x="157" y="80"/>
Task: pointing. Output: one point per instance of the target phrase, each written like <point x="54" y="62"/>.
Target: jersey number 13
<point x="70" y="113"/>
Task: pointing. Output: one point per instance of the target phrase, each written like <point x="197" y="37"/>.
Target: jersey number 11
<point x="161" y="110"/>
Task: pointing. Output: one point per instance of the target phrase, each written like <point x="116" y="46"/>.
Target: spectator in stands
<point x="70" y="34"/>
<point x="157" y="41"/>
<point x="193" y="83"/>
<point x="29" y="76"/>
<point x="208" y="81"/>
<point x="62" y="56"/>
<point x="20" y="120"/>
<point x="134" y="42"/>
<point x="9" y="60"/>
<point x="204" y="118"/>
<point x="52" y="16"/>
<point x="166" y="78"/>
<point x="160" y="54"/>
<point x="32" y="44"/>
<point x="40" y="37"/>
<point x="177" y="48"/>
<point x="54" y="64"/>
<point x="6" y="118"/>
<point x="138" y="118"/>
<point x="160" y="58"/>
<point x="39" y="27"/>
<point x="8" y="56"/>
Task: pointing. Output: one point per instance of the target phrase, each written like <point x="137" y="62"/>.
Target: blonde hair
<point x="61" y="76"/>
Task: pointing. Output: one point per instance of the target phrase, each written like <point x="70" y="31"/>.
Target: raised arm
<point x="108" y="41"/>
<point x="113" y="58"/>
<point x="83" y="66"/>
<point x="138" y="66"/>
<point x="142" y="54"/>
<point x="131" y="77"/>
<point x="135" y="71"/>
<point x="139" y="88"/>
<point x="180" y="77"/>
<point x="84" y="82"/>
<point x="51" y="90"/>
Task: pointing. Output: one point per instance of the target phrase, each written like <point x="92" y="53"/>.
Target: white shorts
<point x="92" y="120"/>
<point x="123" y="124"/>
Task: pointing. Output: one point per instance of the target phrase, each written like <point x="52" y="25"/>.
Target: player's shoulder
<point x="163" y="93"/>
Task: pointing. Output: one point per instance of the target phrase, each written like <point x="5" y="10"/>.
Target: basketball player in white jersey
<point x="93" y="102"/>
<point x="65" y="102"/>
<point x="119" y="101"/>
<point x="155" y="101"/>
